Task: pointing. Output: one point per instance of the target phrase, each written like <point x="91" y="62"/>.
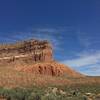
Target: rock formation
<point x="35" y="50"/>
<point x="49" y="68"/>
<point x="33" y="56"/>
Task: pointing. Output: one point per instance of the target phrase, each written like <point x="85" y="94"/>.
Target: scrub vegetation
<point x="74" y="92"/>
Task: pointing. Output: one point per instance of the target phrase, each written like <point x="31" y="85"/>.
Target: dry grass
<point x="12" y="78"/>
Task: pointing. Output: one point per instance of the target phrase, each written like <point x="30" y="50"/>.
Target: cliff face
<point x="35" y="57"/>
<point x="35" y="50"/>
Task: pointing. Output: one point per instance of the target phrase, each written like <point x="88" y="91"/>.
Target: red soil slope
<point x="50" y="68"/>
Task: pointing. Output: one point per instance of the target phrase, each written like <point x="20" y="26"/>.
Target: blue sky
<point x="72" y="26"/>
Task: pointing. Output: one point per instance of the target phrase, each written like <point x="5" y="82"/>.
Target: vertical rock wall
<point x="35" y="50"/>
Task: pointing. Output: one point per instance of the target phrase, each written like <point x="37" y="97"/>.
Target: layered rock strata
<point x="35" y="50"/>
<point x="33" y="56"/>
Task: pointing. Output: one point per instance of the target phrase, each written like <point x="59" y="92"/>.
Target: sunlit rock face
<point x="33" y="56"/>
<point x="33" y="50"/>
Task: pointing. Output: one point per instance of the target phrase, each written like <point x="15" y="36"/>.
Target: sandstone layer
<point x="34" y="50"/>
<point x="33" y="56"/>
<point x="50" y="68"/>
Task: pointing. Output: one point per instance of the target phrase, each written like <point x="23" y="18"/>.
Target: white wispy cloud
<point x="53" y="35"/>
<point x="88" y="40"/>
<point x="46" y="30"/>
<point x="88" y="63"/>
<point x="84" y="60"/>
<point x="93" y="70"/>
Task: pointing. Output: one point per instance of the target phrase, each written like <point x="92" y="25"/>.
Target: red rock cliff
<point x="35" y="50"/>
<point x="33" y="56"/>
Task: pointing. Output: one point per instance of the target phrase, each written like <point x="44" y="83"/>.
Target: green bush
<point x="34" y="97"/>
<point x="37" y="93"/>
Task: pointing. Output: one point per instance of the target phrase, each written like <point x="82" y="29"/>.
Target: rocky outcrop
<point x="33" y="56"/>
<point x="50" y="68"/>
<point x="35" y="50"/>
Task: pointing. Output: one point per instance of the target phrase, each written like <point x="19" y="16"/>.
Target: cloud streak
<point x="86" y="63"/>
<point x="79" y="50"/>
<point x="84" y="60"/>
<point x="53" y="35"/>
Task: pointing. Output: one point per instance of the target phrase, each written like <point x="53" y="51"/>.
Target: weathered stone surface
<point x="49" y="68"/>
<point x="33" y="56"/>
<point x="37" y="51"/>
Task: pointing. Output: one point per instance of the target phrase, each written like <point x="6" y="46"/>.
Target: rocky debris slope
<point x="50" y="68"/>
<point x="35" y="50"/>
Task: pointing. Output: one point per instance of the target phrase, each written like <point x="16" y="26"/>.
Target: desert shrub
<point x="49" y="97"/>
<point x="34" y="96"/>
<point x="37" y="93"/>
<point x="85" y="98"/>
<point x="52" y="96"/>
<point x="14" y="94"/>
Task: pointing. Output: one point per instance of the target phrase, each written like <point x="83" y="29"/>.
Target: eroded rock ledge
<point x="33" y="56"/>
<point x="34" y="50"/>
